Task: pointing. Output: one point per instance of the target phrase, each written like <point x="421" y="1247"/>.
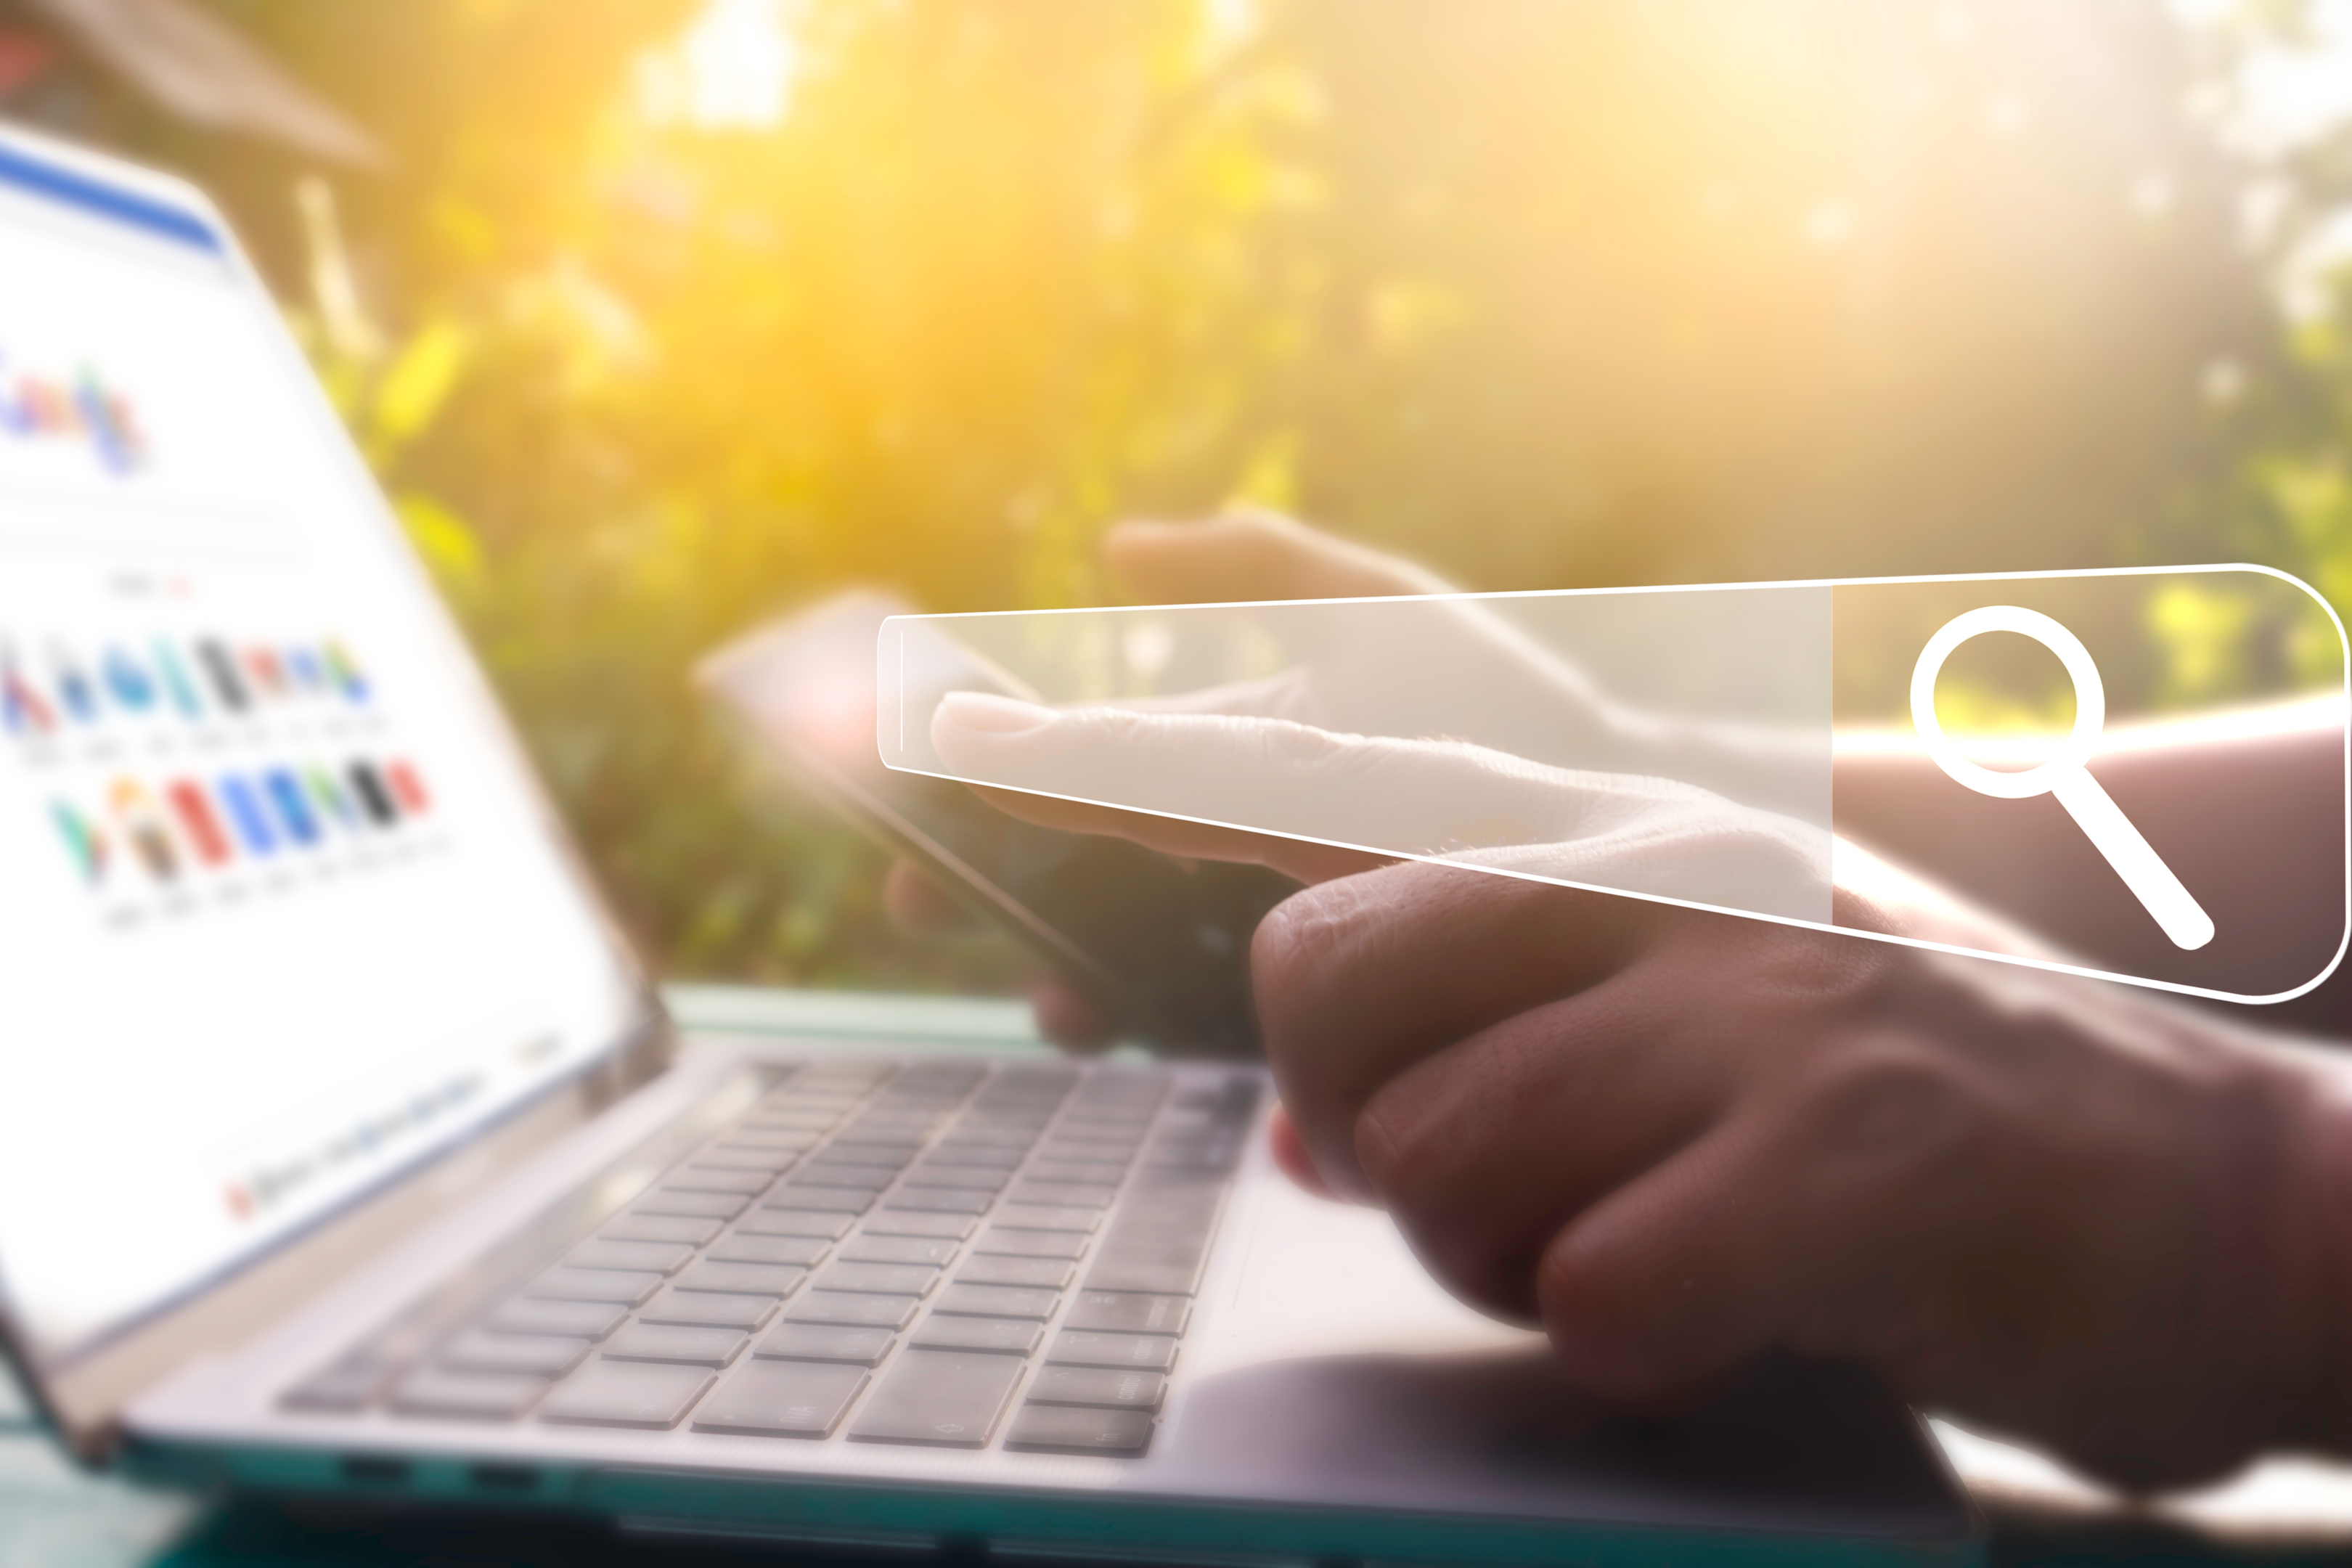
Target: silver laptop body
<point x="343" y="1152"/>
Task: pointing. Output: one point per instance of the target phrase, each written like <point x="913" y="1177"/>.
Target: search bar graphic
<point x="2170" y="811"/>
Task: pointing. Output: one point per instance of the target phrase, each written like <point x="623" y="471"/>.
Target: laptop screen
<point x="281" y="913"/>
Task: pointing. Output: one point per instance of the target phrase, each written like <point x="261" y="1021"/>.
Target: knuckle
<point x="1789" y="971"/>
<point x="1265" y="542"/>
<point x="1893" y="1109"/>
<point x="1287" y="747"/>
<point x="1601" y="1327"/>
<point x="1403" y="1151"/>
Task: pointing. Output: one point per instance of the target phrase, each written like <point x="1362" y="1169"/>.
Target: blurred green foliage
<point x="1542" y="294"/>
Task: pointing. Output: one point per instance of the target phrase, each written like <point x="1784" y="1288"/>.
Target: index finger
<point x="970" y="717"/>
<point x="1359" y="979"/>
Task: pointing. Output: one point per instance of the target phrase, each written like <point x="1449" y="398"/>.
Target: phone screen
<point x="1162" y="945"/>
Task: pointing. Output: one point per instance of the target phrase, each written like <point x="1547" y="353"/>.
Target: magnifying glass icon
<point x="2066" y="774"/>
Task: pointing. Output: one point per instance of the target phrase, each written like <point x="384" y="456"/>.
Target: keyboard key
<point x="945" y="1226"/>
<point x="688" y="1346"/>
<point x="1033" y="1216"/>
<point x="710" y="1310"/>
<point x="940" y="1200"/>
<point x="1172" y="1269"/>
<point x="653" y="1256"/>
<point x="627" y="1394"/>
<point x="346" y="1387"/>
<point x="801" y="1250"/>
<point x="1071" y="1429"/>
<point x="699" y="1179"/>
<point x="790" y="1139"/>
<point x="785" y="1104"/>
<point x="1115" y="1112"/>
<point x="1159" y="1242"/>
<point x="1120" y="1313"/>
<point x="977" y="1178"/>
<point x="825" y="1342"/>
<point x="1091" y="1143"/>
<point x="969" y="1135"/>
<point x="854" y="1309"/>
<point x="795" y="1222"/>
<point x="745" y="1279"/>
<point x="898" y="1249"/>
<point x="1147" y="1353"/>
<point x="999" y="1302"/>
<point x="793" y="1118"/>
<point x="984" y="1156"/>
<point x="1035" y="1273"/>
<point x="659" y="1227"/>
<point x="1072" y="1194"/>
<point x="882" y="1279"/>
<point x="700" y="1205"/>
<point x="743" y="1159"/>
<point x="836" y="1200"/>
<point x="570" y="1320"/>
<point x="991" y="1336"/>
<point x="1208" y="1155"/>
<point x="888" y="1119"/>
<point x="1078" y="1171"/>
<point x="1032" y="1242"/>
<point x="1138" y="1107"/>
<point x="527" y="1354"/>
<point x="884" y="1157"/>
<point x="467" y="1395"/>
<point x="782" y="1399"/>
<point x="594" y="1285"/>
<point x="1088" y="1386"/>
<point x="952" y="1400"/>
<point x="871" y="1178"/>
<point x="893" y="1147"/>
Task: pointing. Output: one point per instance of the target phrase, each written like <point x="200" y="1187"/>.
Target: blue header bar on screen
<point x="158" y="218"/>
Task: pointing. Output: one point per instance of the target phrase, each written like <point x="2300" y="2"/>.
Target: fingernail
<point x="993" y="715"/>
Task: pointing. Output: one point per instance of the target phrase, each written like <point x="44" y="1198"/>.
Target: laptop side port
<point x="506" y="1478"/>
<point x="374" y="1470"/>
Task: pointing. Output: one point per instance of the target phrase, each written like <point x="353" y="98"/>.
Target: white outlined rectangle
<point x="1018" y="667"/>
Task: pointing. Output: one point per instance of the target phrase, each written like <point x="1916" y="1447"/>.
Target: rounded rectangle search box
<point x="2138" y="774"/>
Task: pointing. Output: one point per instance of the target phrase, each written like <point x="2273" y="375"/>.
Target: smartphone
<point x="1162" y="945"/>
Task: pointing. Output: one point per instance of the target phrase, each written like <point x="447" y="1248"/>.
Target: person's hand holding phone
<point x="1238" y="557"/>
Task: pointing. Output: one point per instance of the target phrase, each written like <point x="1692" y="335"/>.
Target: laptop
<point x="346" y="1153"/>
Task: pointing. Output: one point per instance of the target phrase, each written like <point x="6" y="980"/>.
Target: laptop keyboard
<point x="874" y="1252"/>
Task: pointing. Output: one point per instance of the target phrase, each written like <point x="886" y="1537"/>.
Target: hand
<point x="1678" y="1138"/>
<point x="1239" y="556"/>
